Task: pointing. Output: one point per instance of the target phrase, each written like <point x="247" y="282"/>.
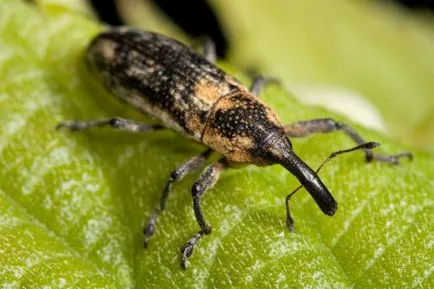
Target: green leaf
<point x="72" y="205"/>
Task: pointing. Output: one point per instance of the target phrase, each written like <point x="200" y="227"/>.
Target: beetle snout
<point x="280" y="151"/>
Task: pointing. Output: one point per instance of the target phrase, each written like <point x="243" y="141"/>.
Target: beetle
<point x="188" y="94"/>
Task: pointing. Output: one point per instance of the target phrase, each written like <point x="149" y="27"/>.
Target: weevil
<point x="188" y="94"/>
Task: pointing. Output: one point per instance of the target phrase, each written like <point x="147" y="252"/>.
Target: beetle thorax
<point x="238" y="126"/>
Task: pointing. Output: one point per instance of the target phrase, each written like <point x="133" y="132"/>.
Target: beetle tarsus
<point x="393" y="159"/>
<point x="188" y="248"/>
<point x="149" y="229"/>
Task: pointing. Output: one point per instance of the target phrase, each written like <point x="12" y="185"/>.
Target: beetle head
<point x="245" y="130"/>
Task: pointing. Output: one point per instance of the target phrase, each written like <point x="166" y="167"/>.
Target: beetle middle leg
<point x="209" y="51"/>
<point x="326" y="125"/>
<point x="114" y="122"/>
<point x="207" y="48"/>
<point x="207" y="180"/>
<point x="177" y="175"/>
<point x="259" y="81"/>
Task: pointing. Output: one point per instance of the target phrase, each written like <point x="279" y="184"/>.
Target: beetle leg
<point x="206" y="47"/>
<point x="209" y="51"/>
<point x="259" y="81"/>
<point x="177" y="175"/>
<point x="115" y="122"/>
<point x="326" y="125"/>
<point x="207" y="180"/>
<point x="367" y="145"/>
<point x="187" y="249"/>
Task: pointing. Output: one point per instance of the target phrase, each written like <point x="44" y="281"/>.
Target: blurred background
<point x="369" y="60"/>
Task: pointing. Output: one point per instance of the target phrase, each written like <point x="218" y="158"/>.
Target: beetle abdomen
<point x="160" y="76"/>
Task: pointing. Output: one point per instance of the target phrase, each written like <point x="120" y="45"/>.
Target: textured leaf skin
<point x="72" y="205"/>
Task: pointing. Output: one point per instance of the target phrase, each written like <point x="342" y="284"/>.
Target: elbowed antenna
<point x="280" y="151"/>
<point x="310" y="180"/>
<point x="367" y="145"/>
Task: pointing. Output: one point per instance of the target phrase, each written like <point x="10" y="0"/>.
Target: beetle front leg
<point x="114" y="122"/>
<point x="326" y="125"/>
<point x="207" y="180"/>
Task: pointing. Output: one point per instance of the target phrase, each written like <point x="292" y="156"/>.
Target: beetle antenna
<point x="367" y="145"/>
